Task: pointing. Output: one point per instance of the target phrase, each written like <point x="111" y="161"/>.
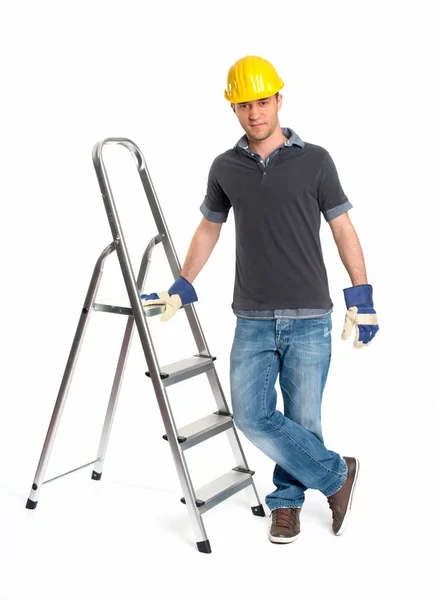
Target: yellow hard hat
<point x="252" y="78"/>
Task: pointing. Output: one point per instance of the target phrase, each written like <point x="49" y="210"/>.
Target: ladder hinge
<point x="240" y="470"/>
<point x="162" y="375"/>
<point x="180" y="438"/>
<point x="205" y="356"/>
<point x="222" y="413"/>
<point x="197" y="502"/>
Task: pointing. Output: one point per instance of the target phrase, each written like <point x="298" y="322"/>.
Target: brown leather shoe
<point x="341" y="502"/>
<point x="285" y="525"/>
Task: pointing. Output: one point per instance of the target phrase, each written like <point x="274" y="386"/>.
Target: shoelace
<point x="334" y="506"/>
<point x="285" y="517"/>
<point x="331" y="502"/>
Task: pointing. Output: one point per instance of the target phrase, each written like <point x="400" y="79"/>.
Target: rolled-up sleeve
<point x="331" y="197"/>
<point x="216" y="204"/>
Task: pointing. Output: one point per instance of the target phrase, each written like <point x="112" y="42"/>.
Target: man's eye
<point x="264" y="102"/>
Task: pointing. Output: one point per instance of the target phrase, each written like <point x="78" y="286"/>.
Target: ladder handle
<point x="107" y="195"/>
<point x="97" y="152"/>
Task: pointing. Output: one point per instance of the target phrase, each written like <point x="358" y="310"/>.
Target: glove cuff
<point x="358" y="294"/>
<point x="185" y="290"/>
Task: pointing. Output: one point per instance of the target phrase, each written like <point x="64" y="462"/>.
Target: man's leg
<point x="254" y="367"/>
<point x="305" y="351"/>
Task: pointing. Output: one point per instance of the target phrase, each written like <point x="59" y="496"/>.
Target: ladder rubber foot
<point x="96" y="475"/>
<point x="31" y="503"/>
<point x="258" y="510"/>
<point x="204" y="547"/>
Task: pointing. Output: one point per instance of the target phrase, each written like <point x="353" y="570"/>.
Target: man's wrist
<point x="358" y="294"/>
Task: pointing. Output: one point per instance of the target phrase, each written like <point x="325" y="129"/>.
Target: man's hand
<point x="181" y="292"/>
<point x="360" y="312"/>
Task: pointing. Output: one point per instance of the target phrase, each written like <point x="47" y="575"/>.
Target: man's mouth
<point x="255" y="125"/>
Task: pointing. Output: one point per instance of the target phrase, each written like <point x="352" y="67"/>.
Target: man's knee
<point x="313" y="424"/>
<point x="250" y="425"/>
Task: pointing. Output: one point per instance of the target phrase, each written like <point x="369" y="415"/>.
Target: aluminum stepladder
<point x="240" y="477"/>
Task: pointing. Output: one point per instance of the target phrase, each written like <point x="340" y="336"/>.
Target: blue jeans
<point x="299" y="350"/>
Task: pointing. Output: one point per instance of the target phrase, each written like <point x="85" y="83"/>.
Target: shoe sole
<point x="282" y="540"/>
<point x="349" y="503"/>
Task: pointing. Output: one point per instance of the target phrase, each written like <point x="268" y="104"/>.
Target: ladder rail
<point x="133" y="292"/>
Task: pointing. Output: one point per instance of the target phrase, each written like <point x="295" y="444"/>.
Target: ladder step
<point x="185" y="368"/>
<point x="222" y="488"/>
<point x="203" y="429"/>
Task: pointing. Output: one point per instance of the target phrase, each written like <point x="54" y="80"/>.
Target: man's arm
<point x="200" y="249"/>
<point x="349" y="248"/>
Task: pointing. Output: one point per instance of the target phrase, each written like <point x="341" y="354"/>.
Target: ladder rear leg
<point x="67" y="377"/>
<point x="113" y="401"/>
<point x="125" y="347"/>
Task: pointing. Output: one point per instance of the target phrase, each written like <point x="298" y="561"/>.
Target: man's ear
<point x="279" y="101"/>
<point x="233" y="107"/>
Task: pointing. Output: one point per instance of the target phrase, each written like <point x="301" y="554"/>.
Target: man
<point x="278" y="187"/>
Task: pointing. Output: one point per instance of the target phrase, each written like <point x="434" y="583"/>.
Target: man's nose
<point x="254" y="113"/>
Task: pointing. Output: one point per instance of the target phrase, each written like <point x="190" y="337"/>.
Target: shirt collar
<point x="292" y="138"/>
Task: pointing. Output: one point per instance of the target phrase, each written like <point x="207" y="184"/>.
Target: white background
<point x="357" y="82"/>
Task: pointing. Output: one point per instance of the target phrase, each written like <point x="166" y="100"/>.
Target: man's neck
<point x="265" y="147"/>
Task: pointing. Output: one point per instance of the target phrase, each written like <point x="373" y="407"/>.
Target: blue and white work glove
<point x="360" y="312"/>
<point x="181" y="292"/>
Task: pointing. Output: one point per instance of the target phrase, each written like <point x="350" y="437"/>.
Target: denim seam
<point x="269" y="368"/>
<point x="282" y="432"/>
<point x="325" y="376"/>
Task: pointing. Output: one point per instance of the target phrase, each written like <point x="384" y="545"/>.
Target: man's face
<point x="259" y="118"/>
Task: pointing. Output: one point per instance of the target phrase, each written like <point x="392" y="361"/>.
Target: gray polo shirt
<point x="277" y="207"/>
